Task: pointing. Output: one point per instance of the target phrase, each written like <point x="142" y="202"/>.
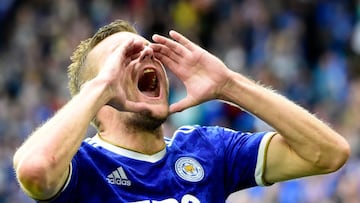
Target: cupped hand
<point x="202" y="73"/>
<point x="116" y="73"/>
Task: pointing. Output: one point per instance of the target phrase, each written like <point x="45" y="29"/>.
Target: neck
<point x="145" y="142"/>
<point x="134" y="131"/>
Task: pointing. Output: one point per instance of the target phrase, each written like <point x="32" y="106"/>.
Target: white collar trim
<point x="128" y="153"/>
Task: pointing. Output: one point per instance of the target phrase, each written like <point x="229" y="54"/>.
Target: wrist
<point x="96" y="89"/>
<point x="236" y="86"/>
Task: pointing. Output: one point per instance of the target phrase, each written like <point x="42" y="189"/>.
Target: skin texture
<point x="301" y="146"/>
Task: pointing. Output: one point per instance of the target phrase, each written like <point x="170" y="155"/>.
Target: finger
<point x="174" y="46"/>
<point x="165" y="60"/>
<point x="170" y="64"/>
<point x="156" y="111"/>
<point x="121" y="51"/>
<point x="133" y="49"/>
<point x="127" y="51"/>
<point x="182" y="40"/>
<point x="163" y="50"/>
<point x="135" y="106"/>
<point x="165" y="55"/>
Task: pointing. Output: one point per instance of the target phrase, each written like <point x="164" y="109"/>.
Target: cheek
<point x="129" y="84"/>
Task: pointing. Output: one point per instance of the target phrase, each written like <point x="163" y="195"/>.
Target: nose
<point x="147" y="53"/>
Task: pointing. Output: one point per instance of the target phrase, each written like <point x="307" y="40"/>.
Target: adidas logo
<point x="118" y="177"/>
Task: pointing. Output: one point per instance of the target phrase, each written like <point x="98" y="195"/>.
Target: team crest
<point x="189" y="169"/>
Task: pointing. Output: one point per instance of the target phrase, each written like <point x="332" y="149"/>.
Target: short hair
<point x="78" y="71"/>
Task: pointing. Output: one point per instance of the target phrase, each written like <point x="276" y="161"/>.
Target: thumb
<point x="183" y="104"/>
<point x="156" y="111"/>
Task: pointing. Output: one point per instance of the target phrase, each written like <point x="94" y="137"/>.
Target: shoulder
<point x="196" y="135"/>
<point x="213" y="132"/>
<point x="197" y="129"/>
<point x="218" y="135"/>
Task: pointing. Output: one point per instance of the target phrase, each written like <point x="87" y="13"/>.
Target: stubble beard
<point x="144" y="121"/>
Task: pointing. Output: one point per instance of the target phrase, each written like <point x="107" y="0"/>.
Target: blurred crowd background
<point x="308" y="50"/>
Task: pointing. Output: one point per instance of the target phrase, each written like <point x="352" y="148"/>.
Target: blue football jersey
<point x="199" y="164"/>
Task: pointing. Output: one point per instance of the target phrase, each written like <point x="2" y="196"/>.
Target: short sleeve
<point x="66" y="192"/>
<point x="245" y="158"/>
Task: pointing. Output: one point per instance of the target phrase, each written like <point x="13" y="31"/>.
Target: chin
<point x="146" y="121"/>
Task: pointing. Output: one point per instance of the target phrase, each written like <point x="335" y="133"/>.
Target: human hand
<point x="116" y="73"/>
<point x="202" y="73"/>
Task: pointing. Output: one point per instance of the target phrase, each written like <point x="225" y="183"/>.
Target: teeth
<point x="149" y="70"/>
<point x="154" y="81"/>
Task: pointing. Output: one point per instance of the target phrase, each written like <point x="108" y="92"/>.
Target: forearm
<point x="306" y="135"/>
<point x="47" y="153"/>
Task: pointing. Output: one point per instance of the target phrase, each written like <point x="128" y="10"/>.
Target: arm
<point x="42" y="162"/>
<point x="303" y="144"/>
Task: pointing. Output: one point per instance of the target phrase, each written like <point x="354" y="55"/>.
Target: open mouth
<point x="148" y="83"/>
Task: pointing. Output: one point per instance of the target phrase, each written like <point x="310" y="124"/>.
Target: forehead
<point x="111" y="42"/>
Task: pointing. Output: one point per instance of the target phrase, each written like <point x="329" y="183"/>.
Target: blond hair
<point x="79" y="71"/>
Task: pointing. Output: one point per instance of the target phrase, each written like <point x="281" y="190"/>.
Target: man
<point x="119" y="84"/>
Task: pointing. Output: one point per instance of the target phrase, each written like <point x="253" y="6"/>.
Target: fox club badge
<point x="189" y="169"/>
